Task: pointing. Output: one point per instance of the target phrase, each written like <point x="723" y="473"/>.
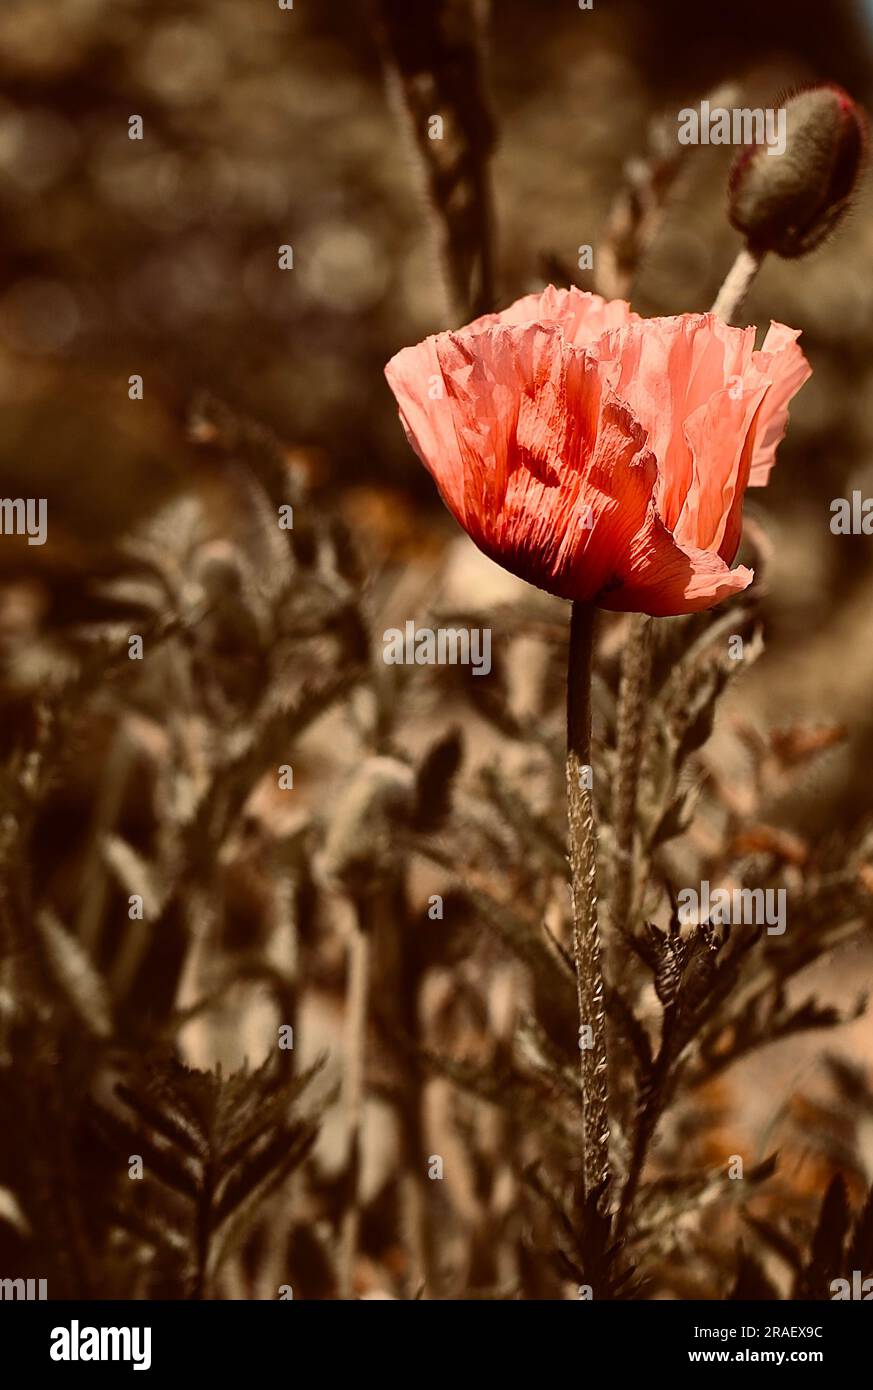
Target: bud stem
<point x="583" y="871"/>
<point x="733" y="292"/>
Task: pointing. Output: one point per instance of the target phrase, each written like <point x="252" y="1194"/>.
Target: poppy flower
<point x="597" y="454"/>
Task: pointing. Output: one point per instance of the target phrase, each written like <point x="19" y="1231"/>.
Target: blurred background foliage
<point x="267" y="127"/>
<point x="158" y="257"/>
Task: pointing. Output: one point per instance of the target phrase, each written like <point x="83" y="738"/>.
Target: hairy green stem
<point x="583" y="870"/>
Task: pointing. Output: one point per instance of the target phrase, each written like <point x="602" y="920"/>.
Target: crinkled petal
<point x="721" y="438"/>
<point x="416" y="378"/>
<point x="667" y="369"/>
<point x="545" y="469"/>
<point x="665" y="579"/>
<point x="582" y="317"/>
<point x="784" y="364"/>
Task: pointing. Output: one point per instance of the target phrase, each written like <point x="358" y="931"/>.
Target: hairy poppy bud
<point x="789" y="202"/>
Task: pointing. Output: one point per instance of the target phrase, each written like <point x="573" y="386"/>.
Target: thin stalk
<point x="414" y="1183"/>
<point x="435" y="61"/>
<point x="352" y="1099"/>
<point x="95" y="880"/>
<point x="398" y="963"/>
<point x="583" y="871"/>
<point x="732" y="294"/>
<point x="646" y="1124"/>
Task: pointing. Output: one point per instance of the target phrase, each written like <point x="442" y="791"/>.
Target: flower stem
<point x="732" y="294"/>
<point x="583" y="870"/>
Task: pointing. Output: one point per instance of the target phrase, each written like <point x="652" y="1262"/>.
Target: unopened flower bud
<point x="788" y="202"/>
